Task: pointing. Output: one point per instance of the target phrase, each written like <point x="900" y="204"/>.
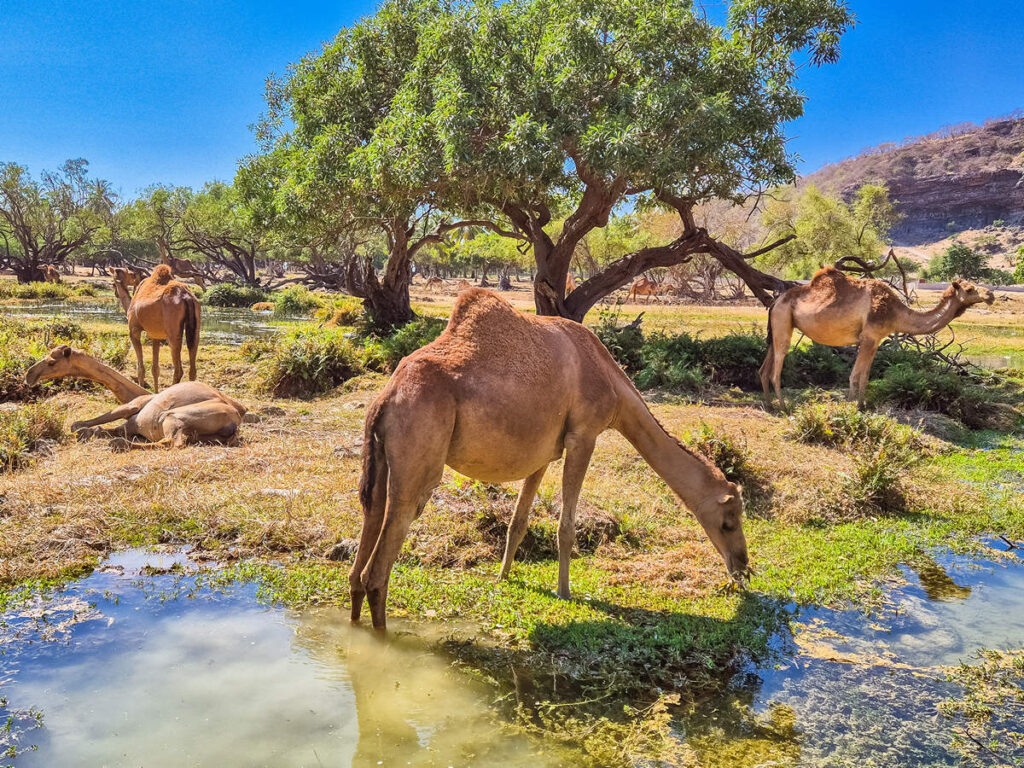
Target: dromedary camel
<point x="164" y="309"/>
<point x="184" y="413"/>
<point x="498" y="396"/>
<point x="128" y="278"/>
<point x="838" y="311"/>
<point x="643" y="287"/>
<point x="180" y="267"/>
<point x="50" y="273"/>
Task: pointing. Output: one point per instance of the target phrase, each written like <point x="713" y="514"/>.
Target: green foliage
<point x="384" y="353"/>
<point x="911" y="386"/>
<point x="305" y="362"/>
<point x="48" y="291"/>
<point x="228" y="295"/>
<point x="827" y="228"/>
<point x="295" y="301"/>
<point x="24" y="430"/>
<point x="958" y="261"/>
<point x="831" y="423"/>
<point x="728" y="453"/>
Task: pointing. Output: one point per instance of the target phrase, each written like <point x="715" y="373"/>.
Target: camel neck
<point x="929" y="321"/>
<point x="122" y="295"/>
<point x="123" y="388"/>
<point x="692" y="479"/>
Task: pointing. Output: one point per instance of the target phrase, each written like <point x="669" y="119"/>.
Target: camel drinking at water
<point x="498" y="396"/>
<point x="183" y="413"/>
<point x="166" y="310"/>
<point x="838" y="311"/>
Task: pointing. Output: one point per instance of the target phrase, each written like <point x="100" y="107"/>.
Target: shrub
<point x="308" y="362"/>
<point x="25" y="430"/>
<point x="296" y="301"/>
<point x="958" y="261"/>
<point x="909" y="386"/>
<point x="228" y="295"/>
<point x="384" y="353"/>
<point x="876" y="485"/>
<point x="727" y="453"/>
<point x="827" y="422"/>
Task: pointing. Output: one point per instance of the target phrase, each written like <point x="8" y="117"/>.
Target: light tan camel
<point x="434" y="282"/>
<point x="50" y="273"/>
<point x="181" y="414"/>
<point x="166" y="310"/>
<point x="128" y="278"/>
<point x="838" y="311"/>
<point x="498" y="396"/>
<point x="180" y="267"/>
<point x="643" y="287"/>
<point x="570" y="284"/>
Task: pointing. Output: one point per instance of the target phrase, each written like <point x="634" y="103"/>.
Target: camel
<point x="181" y="414"/>
<point x="498" y="396"/>
<point x="570" y="284"/>
<point x="166" y="310"/>
<point x="643" y="286"/>
<point x="180" y="267"/>
<point x="128" y="278"/>
<point x="50" y="273"/>
<point x="838" y="311"/>
<point x="262" y="306"/>
<point x="434" y="282"/>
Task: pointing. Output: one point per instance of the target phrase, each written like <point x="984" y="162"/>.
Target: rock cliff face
<point x="957" y="179"/>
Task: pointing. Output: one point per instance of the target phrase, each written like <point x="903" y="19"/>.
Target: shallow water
<point x="856" y="690"/>
<point x="129" y="670"/>
<point x="221" y="325"/>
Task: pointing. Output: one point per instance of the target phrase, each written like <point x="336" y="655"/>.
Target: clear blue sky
<point x="165" y="91"/>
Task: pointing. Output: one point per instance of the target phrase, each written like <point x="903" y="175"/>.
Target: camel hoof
<point x="120" y="445"/>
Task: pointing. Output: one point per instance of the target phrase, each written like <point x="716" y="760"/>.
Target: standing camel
<point x="498" y="396"/>
<point x="643" y="286"/>
<point x="839" y="311"/>
<point x="166" y="310"/>
<point x="50" y="273"/>
<point x="180" y="267"/>
<point x="183" y="413"/>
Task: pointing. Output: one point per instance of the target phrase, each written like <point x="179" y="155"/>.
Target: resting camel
<point x="166" y="310"/>
<point x="838" y="311"/>
<point x="181" y="414"/>
<point x="643" y="286"/>
<point x="50" y="273"/>
<point x="498" y="396"/>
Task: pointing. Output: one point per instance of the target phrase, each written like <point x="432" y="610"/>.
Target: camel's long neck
<point x="123" y="388"/>
<point x="691" y="478"/>
<point x="122" y="295"/>
<point x="934" y="319"/>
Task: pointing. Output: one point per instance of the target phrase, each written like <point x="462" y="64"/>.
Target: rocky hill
<point x="960" y="178"/>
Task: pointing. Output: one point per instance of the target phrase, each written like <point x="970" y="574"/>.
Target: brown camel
<point x="434" y="282"/>
<point x="166" y="310"/>
<point x="838" y="311"/>
<point x="643" y="287"/>
<point x="128" y="278"/>
<point x="50" y="273"/>
<point x="181" y="414"/>
<point x="180" y="267"/>
<point x="498" y="396"/>
<point x="570" y="284"/>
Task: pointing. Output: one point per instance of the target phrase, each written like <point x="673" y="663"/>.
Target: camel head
<point x="968" y="294"/>
<point x="58" y="364"/>
<point x="721" y="516"/>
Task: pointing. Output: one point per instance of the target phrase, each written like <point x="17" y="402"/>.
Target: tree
<point x="47" y="221"/>
<point x="959" y="261"/>
<point x="825" y="228"/>
<point x="571" y="109"/>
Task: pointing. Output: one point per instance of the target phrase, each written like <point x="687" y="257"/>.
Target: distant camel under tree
<point x="839" y="311"/>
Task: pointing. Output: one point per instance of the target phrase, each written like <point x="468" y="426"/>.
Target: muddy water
<point x="848" y="689"/>
<point x="127" y="670"/>
<point x="221" y="325"/>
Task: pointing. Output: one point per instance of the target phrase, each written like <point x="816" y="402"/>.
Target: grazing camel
<point x="498" y="396"/>
<point x="181" y="414"/>
<point x="166" y="310"/>
<point x="643" y="286"/>
<point x="838" y="311"/>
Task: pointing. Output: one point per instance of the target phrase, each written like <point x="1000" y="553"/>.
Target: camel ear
<point x="66" y="351"/>
<point x="725" y="498"/>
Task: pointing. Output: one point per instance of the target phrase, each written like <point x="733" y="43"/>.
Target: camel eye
<point x="728" y="527"/>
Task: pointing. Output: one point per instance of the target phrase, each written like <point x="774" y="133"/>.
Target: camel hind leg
<point x="520" y="518"/>
<point x="174" y="327"/>
<point x="780" y="334"/>
<point x="866" y="351"/>
<point x="578" y="450"/>
<point x="373" y="519"/>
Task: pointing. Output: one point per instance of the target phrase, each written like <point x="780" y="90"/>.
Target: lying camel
<point x="50" y="273"/>
<point x="181" y="414"/>
<point x="643" y="287"/>
<point x="166" y="310"/>
<point x="498" y="396"/>
<point x="838" y="311"/>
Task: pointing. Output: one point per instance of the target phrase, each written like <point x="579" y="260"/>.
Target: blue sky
<point x="165" y="91"/>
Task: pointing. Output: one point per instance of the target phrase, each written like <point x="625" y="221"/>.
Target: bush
<point x="727" y="453"/>
<point x="228" y="295"/>
<point x="827" y="422"/>
<point x="384" y="353"/>
<point x="296" y="301"/>
<point x="26" y="430"/>
<point x="876" y="485"/>
<point x="958" y="261"/>
<point x="306" y="362"/>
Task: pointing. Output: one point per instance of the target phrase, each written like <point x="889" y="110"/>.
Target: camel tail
<point x="373" y="455"/>
<point x="770" y="326"/>
<point x="192" y="325"/>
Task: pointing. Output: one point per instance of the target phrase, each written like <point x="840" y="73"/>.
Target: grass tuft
<point x="26" y="430"/>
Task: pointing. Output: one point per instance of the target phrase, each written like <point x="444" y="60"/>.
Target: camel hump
<point x="162" y="274"/>
<point x="828" y="274"/>
<point x="475" y="307"/>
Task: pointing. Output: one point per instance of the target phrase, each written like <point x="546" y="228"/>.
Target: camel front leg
<point x="156" y="365"/>
<point x="866" y="352"/>
<point x="520" y="518"/>
<point x="578" y="450"/>
<point x="125" y="411"/>
<point x="135" y="334"/>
